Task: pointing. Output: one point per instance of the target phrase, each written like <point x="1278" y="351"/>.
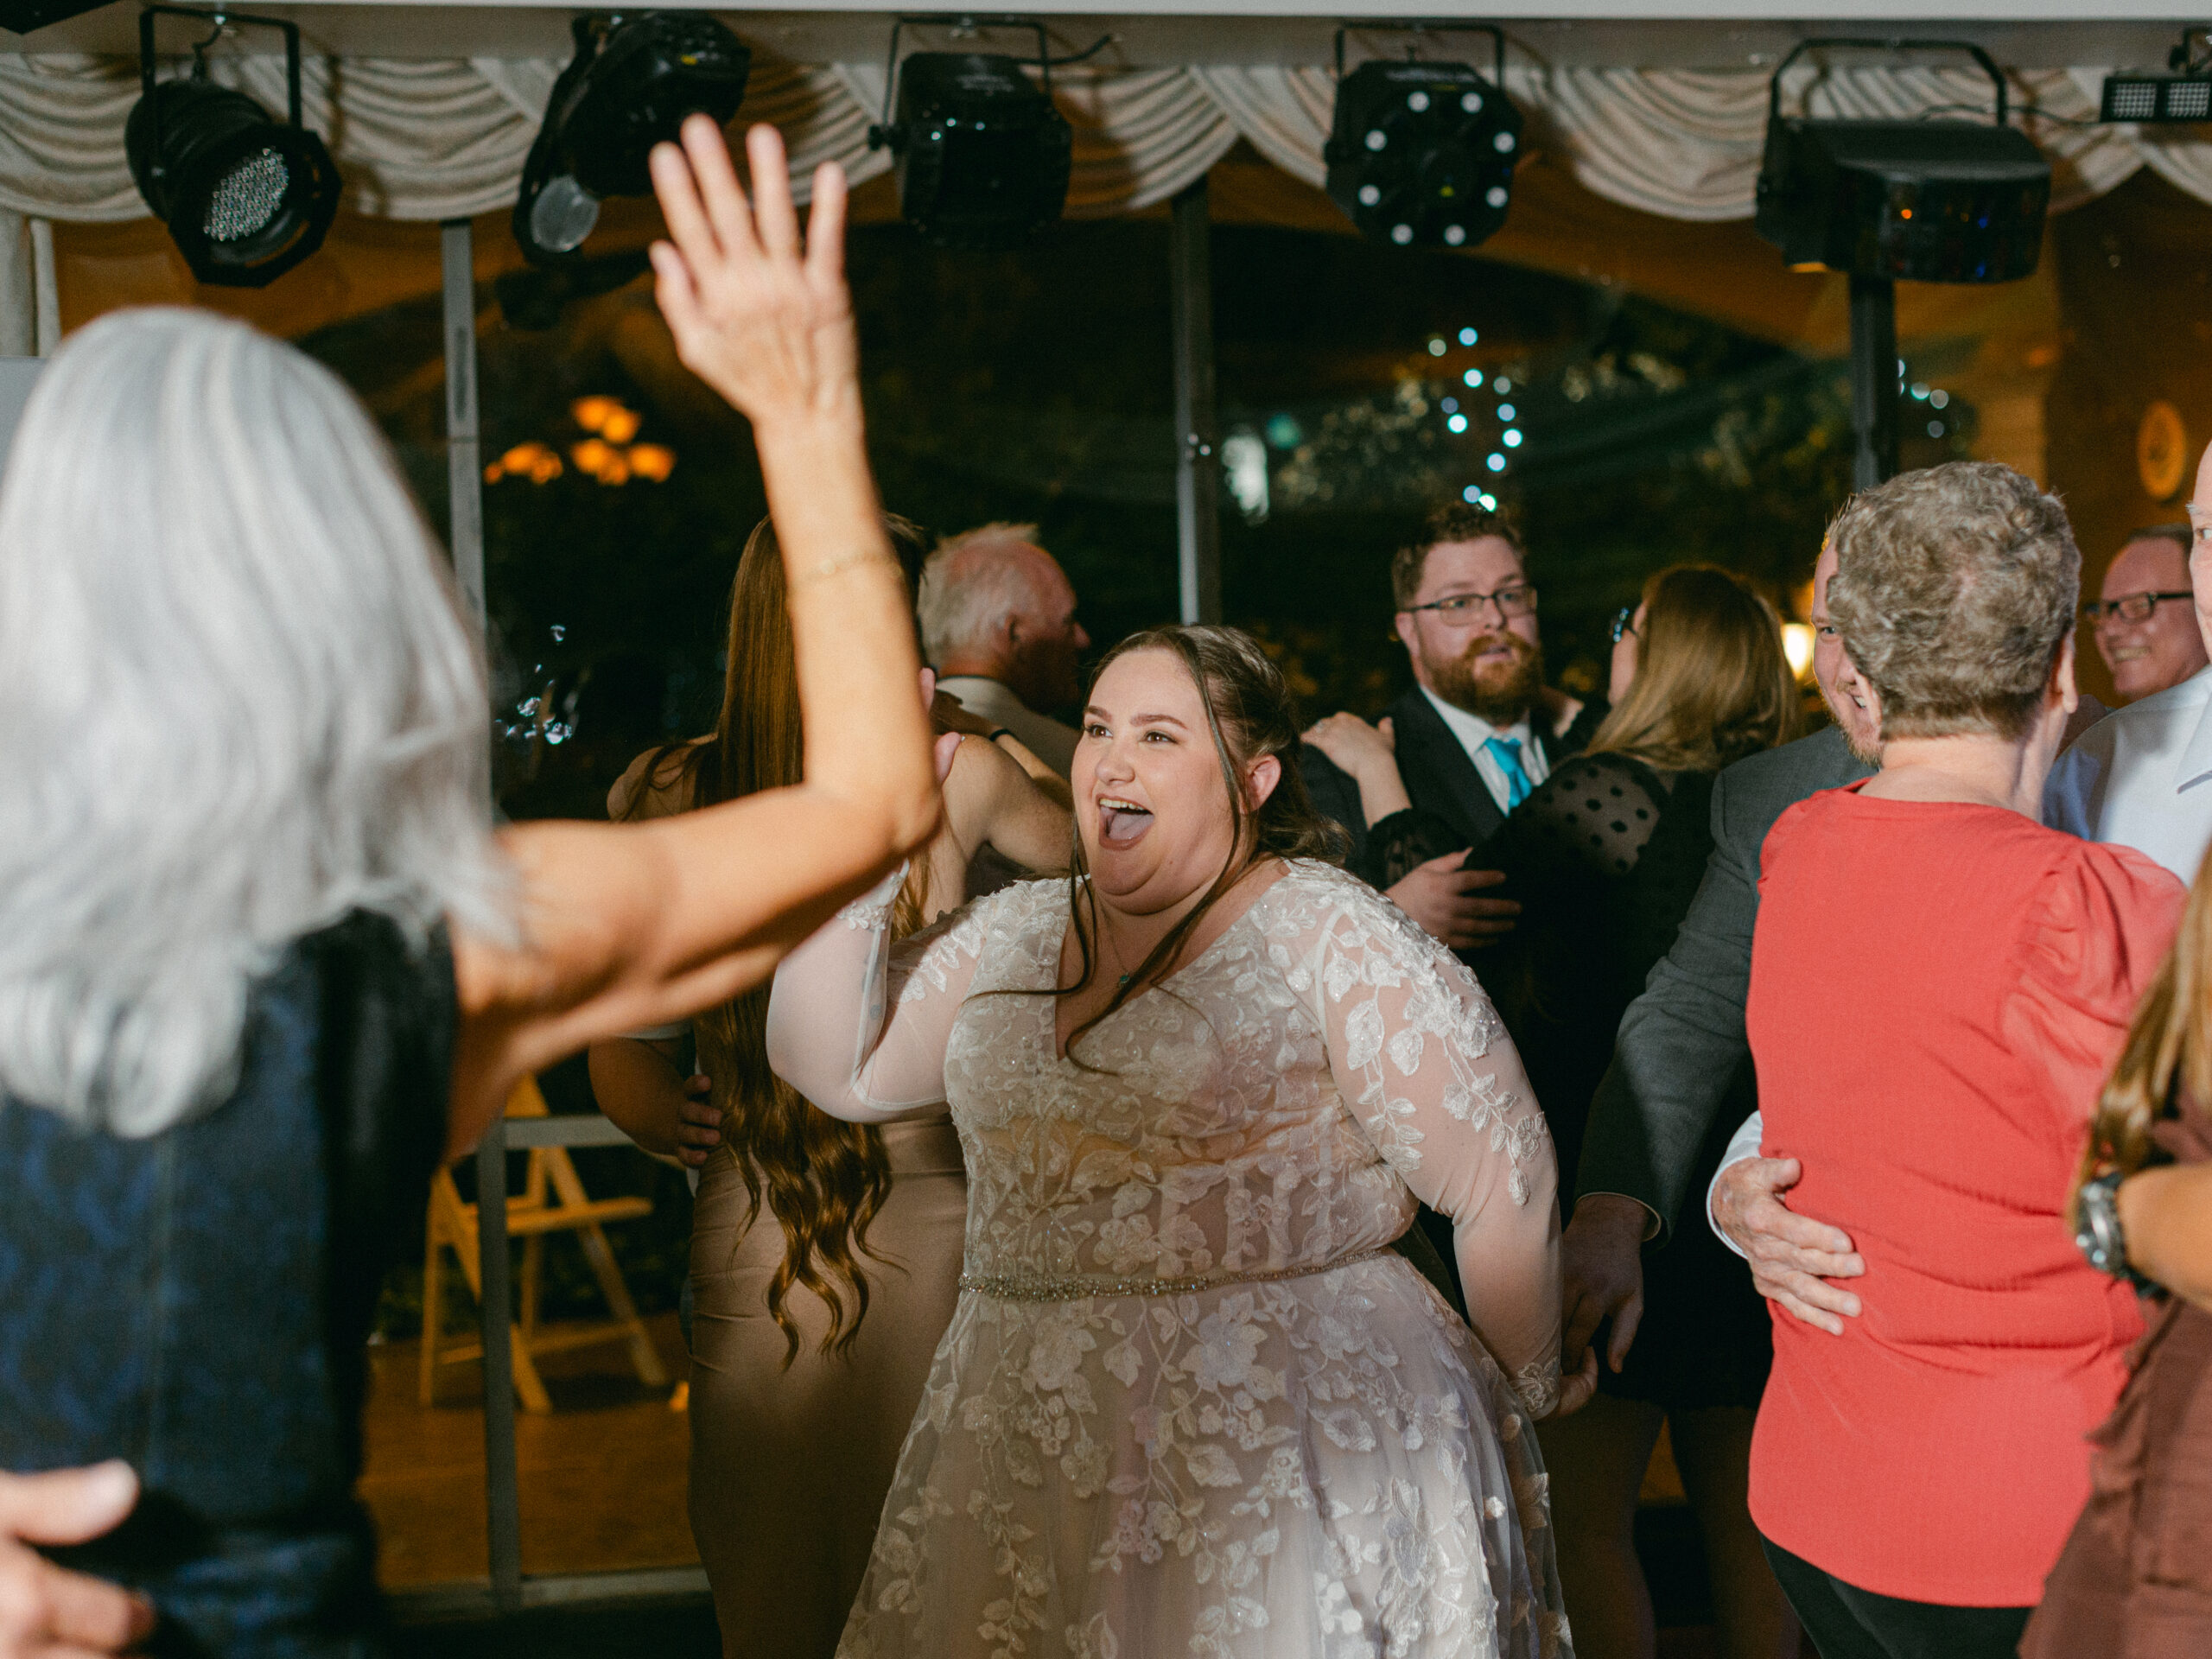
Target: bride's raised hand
<point x="767" y="321"/>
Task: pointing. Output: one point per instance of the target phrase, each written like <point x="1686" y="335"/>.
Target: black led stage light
<point x="982" y="153"/>
<point x="1932" y="200"/>
<point x="245" y="198"/>
<point x="634" y="82"/>
<point x="22" y="16"/>
<point x="1421" y="155"/>
<point x="2182" y="97"/>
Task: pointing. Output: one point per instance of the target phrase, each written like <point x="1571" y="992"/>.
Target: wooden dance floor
<point x="603" y="1485"/>
<point x="602" y="1477"/>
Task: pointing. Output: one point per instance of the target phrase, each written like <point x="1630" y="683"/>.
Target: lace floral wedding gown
<point x="1189" y="1402"/>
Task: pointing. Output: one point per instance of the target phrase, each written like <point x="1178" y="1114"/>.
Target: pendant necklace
<point x="1121" y="984"/>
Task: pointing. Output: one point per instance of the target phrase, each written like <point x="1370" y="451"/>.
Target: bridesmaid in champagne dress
<point x="824" y="1255"/>
<point x="1191" y="1401"/>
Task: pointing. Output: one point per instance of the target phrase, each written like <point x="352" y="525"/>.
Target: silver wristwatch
<point x="2098" y="1235"/>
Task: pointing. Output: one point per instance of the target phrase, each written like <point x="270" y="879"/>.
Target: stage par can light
<point x="983" y="153"/>
<point x="1923" y="202"/>
<point x="245" y="198"/>
<point x="631" y="85"/>
<point x="1421" y="155"/>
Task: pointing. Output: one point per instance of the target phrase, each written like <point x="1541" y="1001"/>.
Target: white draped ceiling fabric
<point x="426" y="139"/>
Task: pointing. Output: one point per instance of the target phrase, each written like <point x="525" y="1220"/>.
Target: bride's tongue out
<point x="1122" y="823"/>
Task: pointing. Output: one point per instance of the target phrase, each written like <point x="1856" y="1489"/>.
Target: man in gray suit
<point x="1681" y="1043"/>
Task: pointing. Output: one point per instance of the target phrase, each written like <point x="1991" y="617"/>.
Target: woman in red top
<point x="1938" y="985"/>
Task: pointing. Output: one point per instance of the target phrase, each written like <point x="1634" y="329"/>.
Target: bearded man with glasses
<point x="1478" y="732"/>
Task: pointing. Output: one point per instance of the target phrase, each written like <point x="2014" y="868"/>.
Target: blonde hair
<point x="239" y="703"/>
<point x="1713" y="683"/>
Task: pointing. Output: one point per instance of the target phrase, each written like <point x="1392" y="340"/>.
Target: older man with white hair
<point x="998" y="623"/>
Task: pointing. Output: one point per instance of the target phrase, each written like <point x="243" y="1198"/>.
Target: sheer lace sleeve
<point x="859" y="1026"/>
<point x="1431" y="1075"/>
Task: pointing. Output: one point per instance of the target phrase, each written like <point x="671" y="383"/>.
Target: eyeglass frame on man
<point x="1452" y="606"/>
<point x="2097" y="612"/>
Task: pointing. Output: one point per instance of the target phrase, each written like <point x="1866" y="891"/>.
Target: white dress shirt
<point x="2142" y="777"/>
<point x="1042" y="736"/>
<point x="1474" y="731"/>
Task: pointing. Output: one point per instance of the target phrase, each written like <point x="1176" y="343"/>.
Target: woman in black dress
<point x="1604" y="857"/>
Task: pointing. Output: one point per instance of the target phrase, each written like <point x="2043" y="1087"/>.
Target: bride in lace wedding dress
<point x="1191" y="1401"/>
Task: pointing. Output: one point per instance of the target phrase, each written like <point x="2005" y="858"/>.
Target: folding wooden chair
<point x="552" y="1200"/>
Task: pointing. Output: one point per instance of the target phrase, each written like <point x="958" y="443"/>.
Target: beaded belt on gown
<point x="1071" y="1287"/>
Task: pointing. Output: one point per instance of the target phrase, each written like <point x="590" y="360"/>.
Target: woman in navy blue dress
<point x="263" y="960"/>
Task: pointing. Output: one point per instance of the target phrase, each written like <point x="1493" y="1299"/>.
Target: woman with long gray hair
<point x="264" y="961"/>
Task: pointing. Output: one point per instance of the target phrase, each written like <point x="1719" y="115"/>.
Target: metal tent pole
<point x="464" y="458"/>
<point x="1197" y="468"/>
<point x="1873" y="380"/>
<point x="465" y="532"/>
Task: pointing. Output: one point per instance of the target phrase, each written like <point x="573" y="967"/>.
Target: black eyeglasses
<point x="1511" y="602"/>
<point x="1623" y="622"/>
<point x="2129" y="607"/>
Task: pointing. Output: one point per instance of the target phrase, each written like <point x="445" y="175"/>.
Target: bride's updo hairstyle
<point x="1249" y="714"/>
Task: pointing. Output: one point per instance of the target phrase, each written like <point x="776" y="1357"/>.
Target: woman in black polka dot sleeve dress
<point x="1604" y="857"/>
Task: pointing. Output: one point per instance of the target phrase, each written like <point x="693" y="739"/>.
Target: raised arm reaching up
<point x="624" y="926"/>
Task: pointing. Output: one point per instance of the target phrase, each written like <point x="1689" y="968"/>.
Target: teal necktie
<point x="1506" y="751"/>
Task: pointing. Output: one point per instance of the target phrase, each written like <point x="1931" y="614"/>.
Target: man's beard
<point x="1500" y="693"/>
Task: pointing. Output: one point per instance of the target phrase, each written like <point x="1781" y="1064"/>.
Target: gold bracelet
<point x="830" y="568"/>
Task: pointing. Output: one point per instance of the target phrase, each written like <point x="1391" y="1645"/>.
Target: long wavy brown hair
<point x="1713" y="683"/>
<point x="825" y="1180"/>
<point x="2168" y="1053"/>
<point x="1249" y="716"/>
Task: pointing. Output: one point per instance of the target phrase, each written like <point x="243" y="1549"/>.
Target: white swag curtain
<point x="422" y="140"/>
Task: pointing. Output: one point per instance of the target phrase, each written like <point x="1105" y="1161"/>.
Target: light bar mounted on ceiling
<point x="2151" y="99"/>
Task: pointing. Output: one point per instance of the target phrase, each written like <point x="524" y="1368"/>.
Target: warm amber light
<point x="620" y="425"/>
<point x="651" y="460"/>
<point x="546" y="468"/>
<point x="592" y="456"/>
<point x="522" y="457"/>
<point x="593" y="413"/>
<point x="1797" y="646"/>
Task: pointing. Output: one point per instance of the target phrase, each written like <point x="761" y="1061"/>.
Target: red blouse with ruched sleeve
<point x="1937" y="991"/>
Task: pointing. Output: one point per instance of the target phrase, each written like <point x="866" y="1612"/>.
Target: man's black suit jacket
<point x="1439" y="776"/>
